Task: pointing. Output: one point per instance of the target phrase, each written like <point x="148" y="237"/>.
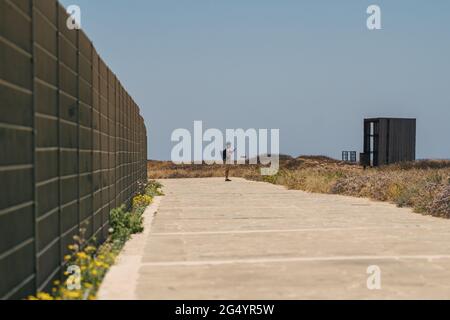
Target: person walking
<point x="227" y="156"/>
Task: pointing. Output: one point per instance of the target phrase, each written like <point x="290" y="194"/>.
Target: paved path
<point x="249" y="240"/>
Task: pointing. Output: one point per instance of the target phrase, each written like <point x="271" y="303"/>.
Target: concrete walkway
<point x="249" y="240"/>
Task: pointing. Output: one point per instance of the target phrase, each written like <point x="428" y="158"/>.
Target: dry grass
<point x="422" y="185"/>
<point x="169" y="170"/>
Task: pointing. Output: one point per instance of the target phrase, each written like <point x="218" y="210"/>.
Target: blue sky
<point x="310" y="68"/>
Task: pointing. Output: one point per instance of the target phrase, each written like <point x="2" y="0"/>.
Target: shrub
<point x="406" y="197"/>
<point x="154" y="189"/>
<point x="124" y="224"/>
<point x="440" y="205"/>
<point x="271" y="179"/>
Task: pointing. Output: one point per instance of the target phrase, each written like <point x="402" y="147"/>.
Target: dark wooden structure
<point x="73" y="144"/>
<point x="388" y="140"/>
<point x="349" y="156"/>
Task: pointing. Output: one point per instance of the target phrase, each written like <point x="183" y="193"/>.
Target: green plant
<point x="154" y="189"/>
<point x="271" y="179"/>
<point x="124" y="223"/>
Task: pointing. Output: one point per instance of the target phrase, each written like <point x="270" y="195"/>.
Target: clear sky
<point x="310" y="68"/>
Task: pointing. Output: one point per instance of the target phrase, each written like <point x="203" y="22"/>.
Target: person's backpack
<point x="224" y="155"/>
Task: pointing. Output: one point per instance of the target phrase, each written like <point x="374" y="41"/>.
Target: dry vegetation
<point x="422" y="185"/>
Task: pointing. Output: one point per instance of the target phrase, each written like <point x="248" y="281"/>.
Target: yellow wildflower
<point x="44" y="296"/>
<point x="142" y="201"/>
<point x="91" y="249"/>
<point x="72" y="294"/>
<point x="82" y="255"/>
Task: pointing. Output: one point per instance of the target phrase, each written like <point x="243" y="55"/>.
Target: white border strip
<point x="429" y="258"/>
<point x="195" y="233"/>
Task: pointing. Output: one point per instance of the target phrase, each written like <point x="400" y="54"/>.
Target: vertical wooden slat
<point x="58" y="97"/>
<point x="35" y="208"/>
